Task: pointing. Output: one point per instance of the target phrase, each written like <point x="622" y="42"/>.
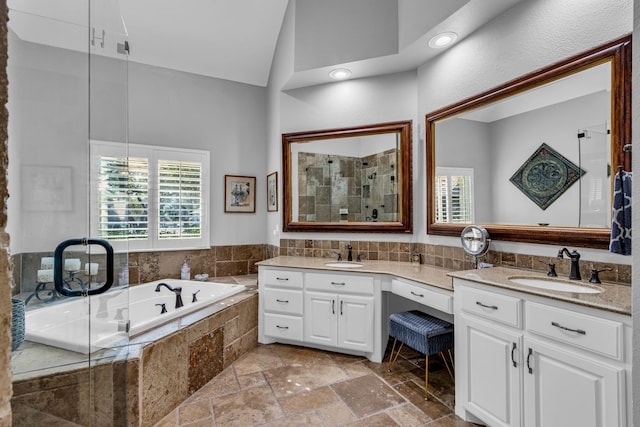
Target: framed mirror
<point x="348" y="180"/>
<point x="533" y="160"/>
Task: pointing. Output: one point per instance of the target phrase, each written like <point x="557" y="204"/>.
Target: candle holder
<point x="42" y="293"/>
<point x="72" y="277"/>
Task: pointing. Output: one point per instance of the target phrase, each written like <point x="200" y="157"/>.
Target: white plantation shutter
<point x="442" y="194"/>
<point x="454" y="195"/>
<point x="149" y="197"/>
<point x="180" y="199"/>
<point x="123" y="198"/>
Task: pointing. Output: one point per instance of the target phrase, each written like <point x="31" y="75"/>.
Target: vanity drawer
<point x="423" y="295"/>
<point x="355" y="284"/>
<point x="581" y="330"/>
<point x="282" y="326"/>
<point x="283" y="278"/>
<point x="283" y="301"/>
<point x="501" y="308"/>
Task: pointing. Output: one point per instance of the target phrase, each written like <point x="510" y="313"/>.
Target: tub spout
<point x="177" y="290"/>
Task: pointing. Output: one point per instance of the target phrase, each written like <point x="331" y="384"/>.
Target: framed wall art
<point x="239" y="194"/>
<point x="272" y="192"/>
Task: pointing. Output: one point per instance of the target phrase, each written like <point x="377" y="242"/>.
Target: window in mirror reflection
<point x="454" y="195"/>
<point x="347" y="180"/>
<point x="571" y="115"/>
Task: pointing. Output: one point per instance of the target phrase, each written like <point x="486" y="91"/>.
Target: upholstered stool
<point x="423" y="333"/>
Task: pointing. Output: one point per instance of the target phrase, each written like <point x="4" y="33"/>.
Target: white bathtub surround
<point x="102" y="321"/>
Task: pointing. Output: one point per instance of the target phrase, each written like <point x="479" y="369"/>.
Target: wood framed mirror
<point x="533" y="160"/>
<point x="354" y="179"/>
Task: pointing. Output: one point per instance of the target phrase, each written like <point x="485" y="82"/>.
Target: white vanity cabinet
<point x="488" y="344"/>
<point x="527" y="360"/>
<point x="339" y="311"/>
<point x="281" y="304"/>
<point x="330" y="310"/>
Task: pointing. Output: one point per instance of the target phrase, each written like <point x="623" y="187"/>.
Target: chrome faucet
<point x="574" y="274"/>
<point x="177" y="290"/>
<point x="350" y="254"/>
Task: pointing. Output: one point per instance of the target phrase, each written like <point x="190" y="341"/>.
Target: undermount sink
<point x="556" y="285"/>
<point x="343" y="264"/>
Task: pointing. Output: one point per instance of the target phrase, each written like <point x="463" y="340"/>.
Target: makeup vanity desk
<point x="302" y="301"/>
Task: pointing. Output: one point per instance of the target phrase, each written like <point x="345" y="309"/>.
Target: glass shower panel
<point x="67" y="85"/>
<point x="595" y="192"/>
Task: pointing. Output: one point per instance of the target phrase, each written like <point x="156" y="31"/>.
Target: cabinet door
<point x="566" y="389"/>
<point x="491" y="366"/>
<point x="320" y="319"/>
<point x="355" y="322"/>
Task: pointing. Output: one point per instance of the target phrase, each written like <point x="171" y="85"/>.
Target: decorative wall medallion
<point x="545" y="176"/>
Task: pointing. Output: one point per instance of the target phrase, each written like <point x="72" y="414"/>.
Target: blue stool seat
<point x="422" y="332"/>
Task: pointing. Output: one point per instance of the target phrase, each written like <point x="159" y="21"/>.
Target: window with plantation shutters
<point x="123" y="198"/>
<point x="454" y="195"/>
<point x="179" y="198"/>
<point x="148" y="197"/>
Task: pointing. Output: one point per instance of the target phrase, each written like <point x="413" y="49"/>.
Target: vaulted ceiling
<point x="236" y="39"/>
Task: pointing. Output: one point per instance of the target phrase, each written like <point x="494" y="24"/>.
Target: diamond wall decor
<point x="545" y="176"/>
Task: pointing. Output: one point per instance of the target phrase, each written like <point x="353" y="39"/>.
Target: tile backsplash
<point x="237" y="260"/>
<point x="217" y="261"/>
<point x="448" y="257"/>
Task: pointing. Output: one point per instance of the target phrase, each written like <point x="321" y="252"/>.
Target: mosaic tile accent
<point x="545" y="176"/>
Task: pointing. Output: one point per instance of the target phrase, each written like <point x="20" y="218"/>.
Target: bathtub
<point x="85" y="325"/>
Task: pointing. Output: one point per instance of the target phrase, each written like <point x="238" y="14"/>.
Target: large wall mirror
<point x="534" y="159"/>
<point x="348" y="180"/>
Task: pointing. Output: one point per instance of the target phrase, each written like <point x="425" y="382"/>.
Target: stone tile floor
<point x="282" y="385"/>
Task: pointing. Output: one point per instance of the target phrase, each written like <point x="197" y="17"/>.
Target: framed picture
<point x="272" y="192"/>
<point x="239" y="193"/>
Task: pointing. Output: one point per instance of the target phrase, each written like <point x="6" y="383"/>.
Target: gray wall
<point x="515" y="138"/>
<point x="331" y="32"/>
<point x="467" y="144"/>
<point x="49" y="126"/>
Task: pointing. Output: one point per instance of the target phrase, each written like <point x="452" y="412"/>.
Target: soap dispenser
<point x="185" y="271"/>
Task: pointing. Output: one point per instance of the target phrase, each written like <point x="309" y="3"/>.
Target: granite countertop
<point x="428" y="275"/>
<point x="615" y="298"/>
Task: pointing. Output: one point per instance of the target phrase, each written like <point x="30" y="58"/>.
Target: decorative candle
<point x="72" y="264"/>
<point x="46" y="263"/>
<point x="45" y="276"/>
<point x="91" y="269"/>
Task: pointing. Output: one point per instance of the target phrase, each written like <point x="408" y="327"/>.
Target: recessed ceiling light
<point x="340" y="73"/>
<point x="443" y="39"/>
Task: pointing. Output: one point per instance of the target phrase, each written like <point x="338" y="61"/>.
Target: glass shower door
<point x="67" y="73"/>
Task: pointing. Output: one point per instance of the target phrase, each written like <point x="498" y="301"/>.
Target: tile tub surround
<point x="450" y="257"/>
<point x="163" y="367"/>
<point x="217" y="261"/>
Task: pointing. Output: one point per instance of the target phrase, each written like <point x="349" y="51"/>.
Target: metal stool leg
<point x="392" y="359"/>
<point x="446" y="363"/>
<point x="426" y="377"/>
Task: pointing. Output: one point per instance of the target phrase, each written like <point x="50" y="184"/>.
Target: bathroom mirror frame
<point x="618" y="52"/>
<point x="404" y="225"/>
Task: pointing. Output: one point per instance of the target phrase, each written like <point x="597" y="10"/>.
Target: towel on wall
<point x="621" y="217"/>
